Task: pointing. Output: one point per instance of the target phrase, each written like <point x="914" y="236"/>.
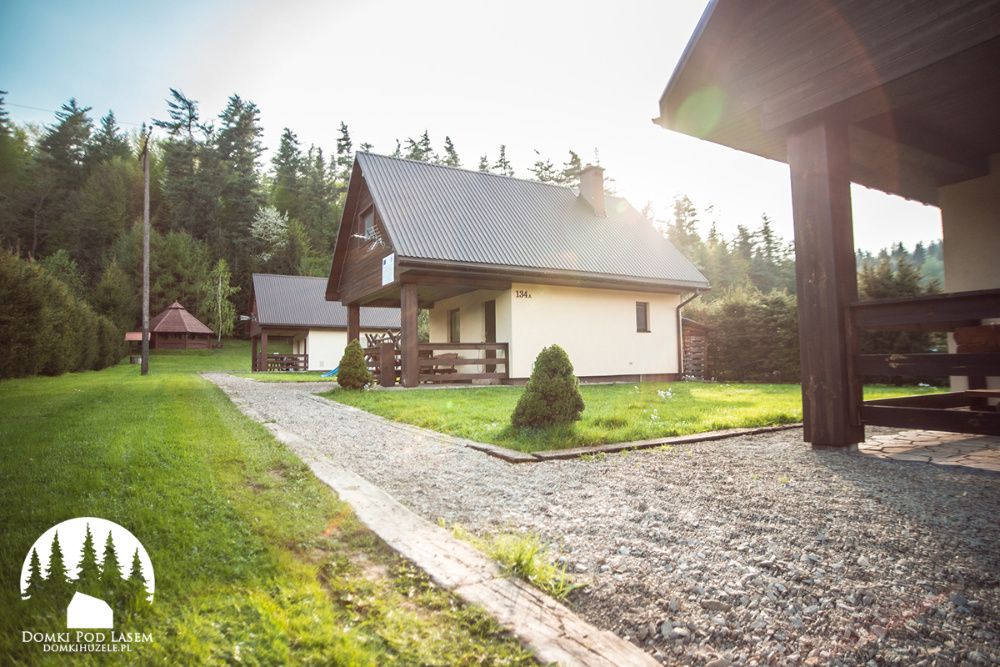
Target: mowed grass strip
<point x="614" y="413"/>
<point x="256" y="561"/>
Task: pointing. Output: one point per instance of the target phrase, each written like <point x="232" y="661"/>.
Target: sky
<point x="545" y="76"/>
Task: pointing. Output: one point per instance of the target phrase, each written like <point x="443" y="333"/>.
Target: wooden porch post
<point x="263" y="351"/>
<point x="408" y="345"/>
<point x="253" y="353"/>
<point x="353" y="322"/>
<point x="826" y="279"/>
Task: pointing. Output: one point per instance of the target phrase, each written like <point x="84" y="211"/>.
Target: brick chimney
<point x="592" y="188"/>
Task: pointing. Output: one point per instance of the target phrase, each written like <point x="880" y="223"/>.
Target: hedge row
<point x="754" y="337"/>
<point x="46" y="329"/>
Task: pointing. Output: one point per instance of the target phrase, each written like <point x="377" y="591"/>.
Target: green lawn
<point x="256" y="561"/>
<point x="614" y="413"/>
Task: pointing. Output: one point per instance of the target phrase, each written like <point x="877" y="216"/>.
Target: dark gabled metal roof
<point x="433" y="212"/>
<point x="300" y="301"/>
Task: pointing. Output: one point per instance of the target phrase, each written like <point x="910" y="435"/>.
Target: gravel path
<point x="751" y="550"/>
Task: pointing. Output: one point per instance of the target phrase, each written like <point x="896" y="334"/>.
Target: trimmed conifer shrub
<point x="353" y="373"/>
<point x="552" y="395"/>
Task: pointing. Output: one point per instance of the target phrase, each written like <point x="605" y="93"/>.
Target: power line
<point x="53" y="111"/>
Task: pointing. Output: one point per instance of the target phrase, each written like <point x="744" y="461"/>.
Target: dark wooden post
<point x="253" y="353"/>
<point x="826" y="279"/>
<point x="408" y="344"/>
<point x="353" y="322"/>
<point x="387" y="364"/>
<point x="263" y="351"/>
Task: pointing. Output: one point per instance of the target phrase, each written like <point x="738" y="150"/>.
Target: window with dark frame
<point x="642" y="316"/>
<point x="368" y="224"/>
<point x="454" y="326"/>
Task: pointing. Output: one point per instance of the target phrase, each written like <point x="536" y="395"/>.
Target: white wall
<point x="325" y="347"/>
<point x="596" y="327"/>
<point x="970" y="220"/>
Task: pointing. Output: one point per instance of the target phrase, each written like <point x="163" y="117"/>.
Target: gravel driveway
<point x="751" y="550"/>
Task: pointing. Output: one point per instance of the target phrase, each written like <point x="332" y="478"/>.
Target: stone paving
<point x="937" y="447"/>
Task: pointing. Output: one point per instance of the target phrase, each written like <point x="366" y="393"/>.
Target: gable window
<point x="368" y="224"/>
<point x="642" y="316"/>
<point x="454" y="326"/>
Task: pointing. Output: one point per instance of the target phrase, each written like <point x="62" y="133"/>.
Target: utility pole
<point x="145" y="254"/>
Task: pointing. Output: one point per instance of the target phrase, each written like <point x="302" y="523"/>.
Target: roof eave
<point x="665" y="118"/>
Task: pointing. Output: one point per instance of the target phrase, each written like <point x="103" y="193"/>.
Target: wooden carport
<point x="902" y="97"/>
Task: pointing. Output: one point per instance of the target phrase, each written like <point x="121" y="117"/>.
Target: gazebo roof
<point x="176" y="319"/>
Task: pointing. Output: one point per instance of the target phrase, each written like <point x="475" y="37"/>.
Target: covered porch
<point x="914" y="117"/>
<point x="291" y="354"/>
<point x="405" y="360"/>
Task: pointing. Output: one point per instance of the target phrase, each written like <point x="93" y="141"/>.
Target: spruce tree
<point x="345" y="157"/>
<point x="450" y="157"/>
<point x="57" y="590"/>
<point x="286" y="181"/>
<point x="484" y="164"/>
<point x="109" y="141"/>
<point x="35" y="580"/>
<point x="136" y="588"/>
<point x="88" y="574"/>
<point x="61" y="172"/>
<point x="543" y="170"/>
<point x="112" y="582"/>
<point x="502" y="165"/>
<point x="570" y="172"/>
<point x="353" y="373"/>
<point x="317" y="215"/>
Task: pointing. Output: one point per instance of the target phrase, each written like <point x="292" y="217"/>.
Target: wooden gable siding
<point x="362" y="272"/>
<point x="797" y="58"/>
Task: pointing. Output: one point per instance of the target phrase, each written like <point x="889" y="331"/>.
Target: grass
<point x="523" y="555"/>
<point x="256" y="561"/>
<point x="614" y="413"/>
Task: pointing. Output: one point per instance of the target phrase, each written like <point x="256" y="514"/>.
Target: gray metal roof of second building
<point x="444" y="213"/>
<point x="300" y="301"/>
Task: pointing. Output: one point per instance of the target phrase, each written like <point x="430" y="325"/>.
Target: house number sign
<point x="522" y="294"/>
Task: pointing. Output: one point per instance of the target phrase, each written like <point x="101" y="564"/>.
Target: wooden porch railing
<point x="442" y="363"/>
<point x="964" y="411"/>
<point x="279" y="361"/>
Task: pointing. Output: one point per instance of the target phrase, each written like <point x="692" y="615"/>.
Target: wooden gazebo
<point x="902" y="97"/>
<point x="176" y="329"/>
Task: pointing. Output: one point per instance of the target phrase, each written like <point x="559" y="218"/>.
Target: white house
<point x="294" y="308"/>
<point x="507" y="266"/>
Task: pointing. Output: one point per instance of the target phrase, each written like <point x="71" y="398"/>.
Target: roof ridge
<point x="468" y="171"/>
<point x="286" y="275"/>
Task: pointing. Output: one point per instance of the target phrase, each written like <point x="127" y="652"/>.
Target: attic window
<point x="368" y="224"/>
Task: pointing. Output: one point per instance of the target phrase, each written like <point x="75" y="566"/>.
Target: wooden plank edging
<point x="549" y="629"/>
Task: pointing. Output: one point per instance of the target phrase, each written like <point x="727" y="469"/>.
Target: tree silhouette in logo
<point x="48" y="592"/>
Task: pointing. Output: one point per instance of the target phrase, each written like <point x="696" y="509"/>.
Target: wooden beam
<point x="409" y="343"/>
<point x="387" y="364"/>
<point x="954" y="421"/>
<point x="353" y="322"/>
<point x="826" y="283"/>
<point x="942" y="309"/>
<point x="262" y="365"/>
<point x="929" y="365"/>
<point x="253" y="353"/>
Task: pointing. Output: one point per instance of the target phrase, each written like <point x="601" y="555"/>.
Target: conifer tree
<point x="136" y="588"/>
<point x="35" y="580"/>
<point x="484" y="164"/>
<point x="570" y="172"/>
<point x="450" y="157"/>
<point x="399" y="150"/>
<point x="286" y="182"/>
<point x="502" y="165"/>
<point x="111" y="571"/>
<point x="345" y="157"/>
<point x="543" y="170"/>
<point x="57" y="585"/>
<point x="109" y="141"/>
<point x="318" y="195"/>
<point x="89" y="574"/>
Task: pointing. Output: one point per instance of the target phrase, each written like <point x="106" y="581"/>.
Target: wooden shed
<point x="897" y="96"/>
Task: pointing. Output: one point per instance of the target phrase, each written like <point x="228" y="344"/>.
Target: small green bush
<point x="353" y="373"/>
<point x="552" y="395"/>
